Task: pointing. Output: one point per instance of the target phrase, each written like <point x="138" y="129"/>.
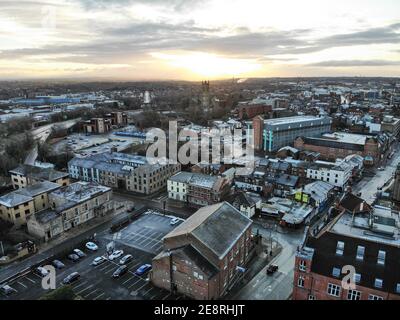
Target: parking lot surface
<point x="142" y="239"/>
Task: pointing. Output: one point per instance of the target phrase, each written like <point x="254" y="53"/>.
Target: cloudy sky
<point x="192" y="39"/>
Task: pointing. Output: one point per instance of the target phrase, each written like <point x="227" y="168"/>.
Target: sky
<point x="193" y="40"/>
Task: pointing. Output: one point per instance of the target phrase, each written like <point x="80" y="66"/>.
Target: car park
<point x="174" y="221"/>
<point x="115" y="255"/>
<point x="40" y="271"/>
<point x="126" y="259"/>
<point x="120" y="271"/>
<point x="71" y="278"/>
<point x="92" y="246"/>
<point x="73" y="257"/>
<point x="99" y="260"/>
<point x="7" y="290"/>
<point x="79" y="253"/>
<point x="143" y="269"/>
<point x="58" y="264"/>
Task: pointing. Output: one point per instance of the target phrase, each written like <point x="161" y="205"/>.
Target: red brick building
<point x="365" y="239"/>
<point x="340" y="145"/>
<point x="201" y="256"/>
<point x="249" y="111"/>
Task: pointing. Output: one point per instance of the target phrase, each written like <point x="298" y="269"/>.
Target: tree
<point x="62" y="293"/>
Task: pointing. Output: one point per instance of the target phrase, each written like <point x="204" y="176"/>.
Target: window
<point x="381" y="257"/>
<point x="18" y="215"/>
<point x="339" y="248"/>
<point x="357" y="278"/>
<point x="336" y="272"/>
<point x="374" y="297"/>
<point x="360" y="253"/>
<point x="353" y="295"/>
<point x="300" y="282"/>
<point x="378" y="283"/>
<point x="302" y="265"/>
<point x="311" y="297"/>
<point x="195" y="274"/>
<point x="398" y="288"/>
<point x="333" y="290"/>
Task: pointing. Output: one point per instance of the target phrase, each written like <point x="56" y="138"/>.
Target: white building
<point x="337" y="174"/>
<point x="177" y="186"/>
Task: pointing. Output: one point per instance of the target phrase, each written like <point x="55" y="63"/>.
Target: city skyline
<point x="192" y="40"/>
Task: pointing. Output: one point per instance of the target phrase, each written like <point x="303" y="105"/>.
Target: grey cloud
<point x="355" y="63"/>
<point x="177" y="5"/>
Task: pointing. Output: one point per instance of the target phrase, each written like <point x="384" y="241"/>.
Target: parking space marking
<point x="30" y="279"/>
<point x="87" y="295"/>
<point x="83" y="290"/>
<point x="136" y="282"/>
<point x="151" y="288"/>
<point x="167" y="296"/>
<point x="22" y="284"/>
<point x="80" y="284"/>
<point x="100" y="295"/>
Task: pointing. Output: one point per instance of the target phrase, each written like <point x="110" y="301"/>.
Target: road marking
<point x="109" y="298"/>
<point x="142" y="286"/>
<point x="22" y="284"/>
<point x="100" y="295"/>
<point x="80" y="285"/>
<point x="83" y="290"/>
<point x="133" y="284"/>
<point x="91" y="293"/>
<point x="167" y="296"/>
<point x="30" y="280"/>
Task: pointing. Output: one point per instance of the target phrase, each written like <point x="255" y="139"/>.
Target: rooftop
<point x="288" y="120"/>
<point x="39" y="173"/>
<point x="218" y="227"/>
<point x="80" y="191"/>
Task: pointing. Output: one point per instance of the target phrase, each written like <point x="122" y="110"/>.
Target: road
<point x="41" y="134"/>
<point x="280" y="285"/>
<point x="368" y="186"/>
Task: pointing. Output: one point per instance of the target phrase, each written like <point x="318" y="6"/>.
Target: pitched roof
<point x="218" y="227"/>
<point x="39" y="173"/>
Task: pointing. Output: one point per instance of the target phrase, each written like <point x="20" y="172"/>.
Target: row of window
<point x="361" y="252"/>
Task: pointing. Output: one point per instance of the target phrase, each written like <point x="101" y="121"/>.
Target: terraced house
<point x="122" y="171"/>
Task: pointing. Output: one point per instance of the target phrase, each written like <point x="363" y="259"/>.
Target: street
<point x="368" y="186"/>
<point x="278" y="286"/>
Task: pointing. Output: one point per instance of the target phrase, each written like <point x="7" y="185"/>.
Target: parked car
<point x="92" y="246"/>
<point x="79" y="253"/>
<point x="174" y="221"/>
<point x="58" y="264"/>
<point x="115" y="255"/>
<point x="131" y="209"/>
<point x="98" y="260"/>
<point x="40" y="271"/>
<point x="73" y="257"/>
<point x="143" y="269"/>
<point x="71" y="278"/>
<point x="7" y="290"/>
<point x="272" y="269"/>
<point x="381" y="169"/>
<point x="126" y="259"/>
<point x="120" y="271"/>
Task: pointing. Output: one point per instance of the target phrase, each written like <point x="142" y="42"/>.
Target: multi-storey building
<point x="198" y="189"/>
<point x="26" y="174"/>
<point x="97" y="125"/>
<point x="337" y="174"/>
<point x="70" y="207"/>
<point x="203" y="256"/>
<point x="18" y="205"/>
<point x="272" y="134"/>
<point x="123" y="171"/>
<point x="364" y="241"/>
<point x="341" y="145"/>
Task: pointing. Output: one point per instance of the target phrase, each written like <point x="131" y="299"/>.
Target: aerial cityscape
<point x="199" y="150"/>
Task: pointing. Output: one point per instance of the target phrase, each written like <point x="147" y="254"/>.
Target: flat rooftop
<point x="287" y="120"/>
<point x="382" y="228"/>
<point x="345" y="137"/>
